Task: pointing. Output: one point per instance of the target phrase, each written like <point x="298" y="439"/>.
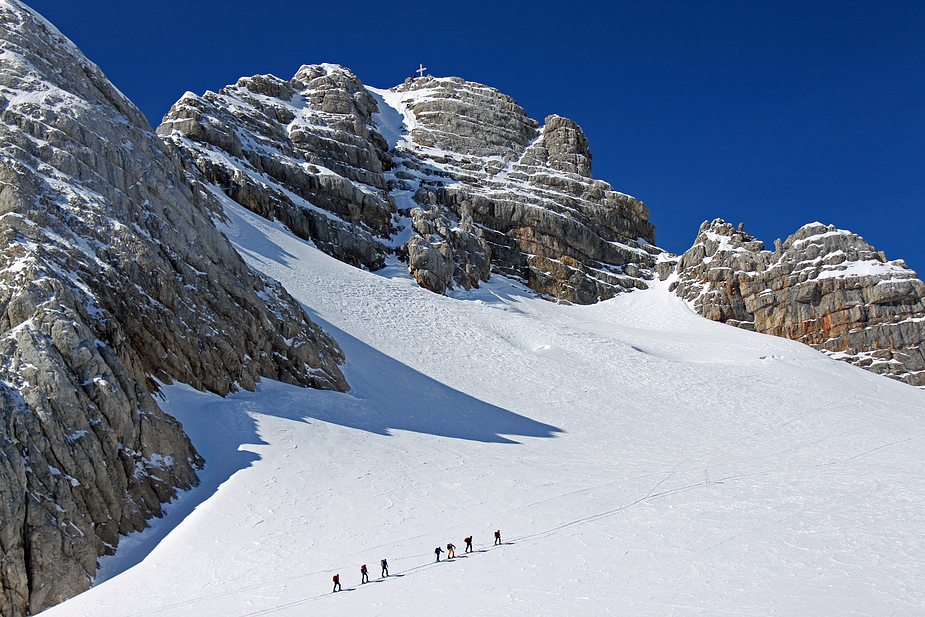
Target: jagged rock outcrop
<point x="303" y="151"/>
<point x="445" y="251"/>
<point x="474" y="151"/>
<point x="822" y="286"/>
<point x="112" y="276"/>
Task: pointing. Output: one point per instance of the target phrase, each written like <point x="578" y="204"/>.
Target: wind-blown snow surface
<point x="638" y="459"/>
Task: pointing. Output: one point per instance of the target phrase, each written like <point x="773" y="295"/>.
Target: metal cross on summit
<point x="421" y="70"/>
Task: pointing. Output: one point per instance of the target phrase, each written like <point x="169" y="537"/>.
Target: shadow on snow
<point x="387" y="395"/>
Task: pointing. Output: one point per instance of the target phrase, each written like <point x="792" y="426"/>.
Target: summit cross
<point x="421" y="70"/>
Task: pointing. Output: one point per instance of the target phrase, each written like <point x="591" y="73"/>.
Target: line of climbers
<point x="450" y="554"/>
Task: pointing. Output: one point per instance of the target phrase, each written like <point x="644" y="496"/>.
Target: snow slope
<point x="638" y="460"/>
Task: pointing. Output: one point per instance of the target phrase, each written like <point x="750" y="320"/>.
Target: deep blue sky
<point x="774" y="114"/>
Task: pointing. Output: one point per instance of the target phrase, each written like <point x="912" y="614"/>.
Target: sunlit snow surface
<point x="638" y="460"/>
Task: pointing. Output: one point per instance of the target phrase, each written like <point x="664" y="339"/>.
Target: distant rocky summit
<point x="459" y="182"/>
<point x="465" y="184"/>
<point x="822" y="286"/>
<point x="112" y="277"/>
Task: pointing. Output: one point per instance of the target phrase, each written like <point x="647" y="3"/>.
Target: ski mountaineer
<point x="450" y="551"/>
<point x="365" y="574"/>
<point x="437" y="552"/>
<point x="498" y="537"/>
<point x="336" y="582"/>
<point x="385" y="568"/>
<point x="469" y="544"/>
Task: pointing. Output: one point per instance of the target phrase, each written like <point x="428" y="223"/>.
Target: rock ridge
<point x="822" y="286"/>
<point x="479" y="184"/>
<point x="303" y="151"/>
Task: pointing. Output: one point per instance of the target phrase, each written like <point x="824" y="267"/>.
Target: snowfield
<point x="638" y="459"/>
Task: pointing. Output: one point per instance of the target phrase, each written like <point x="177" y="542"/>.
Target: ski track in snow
<point x="638" y="459"/>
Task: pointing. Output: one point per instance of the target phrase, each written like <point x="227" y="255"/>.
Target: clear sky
<point x="774" y="114"/>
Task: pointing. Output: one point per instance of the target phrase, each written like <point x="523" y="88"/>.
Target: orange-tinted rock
<point x="823" y="286"/>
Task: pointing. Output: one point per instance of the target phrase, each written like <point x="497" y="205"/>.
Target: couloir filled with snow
<point x="637" y="458"/>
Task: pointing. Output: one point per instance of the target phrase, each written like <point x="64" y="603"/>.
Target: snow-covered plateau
<point x="637" y="458"/>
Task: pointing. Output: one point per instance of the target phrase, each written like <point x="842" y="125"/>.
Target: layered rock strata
<point x="822" y="286"/>
<point x="472" y="151"/>
<point x="112" y="276"/>
<point x="303" y="151"/>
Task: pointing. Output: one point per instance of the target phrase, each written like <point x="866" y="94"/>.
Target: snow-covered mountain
<point x="639" y="458"/>
<point x="452" y="172"/>
<point x="459" y="181"/>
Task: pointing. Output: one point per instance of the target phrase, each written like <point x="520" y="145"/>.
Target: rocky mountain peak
<point x="336" y="90"/>
<point x="466" y="118"/>
<point x="479" y="185"/>
<point x="303" y="151"/>
<point x="473" y="153"/>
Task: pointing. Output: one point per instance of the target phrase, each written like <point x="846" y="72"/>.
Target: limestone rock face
<point x="823" y="286"/>
<point x="112" y="276"/>
<point x="303" y="151"/>
<point x="473" y="151"/>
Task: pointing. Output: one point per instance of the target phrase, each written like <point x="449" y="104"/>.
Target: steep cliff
<point x="822" y="286"/>
<point x="112" y="276"/>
